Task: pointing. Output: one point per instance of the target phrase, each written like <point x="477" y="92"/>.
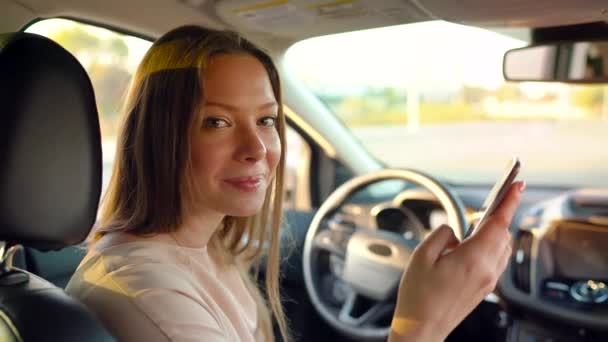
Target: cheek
<point x="203" y="158"/>
<point x="273" y="148"/>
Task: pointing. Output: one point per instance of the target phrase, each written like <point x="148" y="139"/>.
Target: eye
<point x="268" y="121"/>
<point x="215" y="123"/>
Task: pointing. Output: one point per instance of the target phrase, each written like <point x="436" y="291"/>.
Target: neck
<point x="197" y="228"/>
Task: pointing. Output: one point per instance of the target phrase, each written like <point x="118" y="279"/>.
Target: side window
<point x="110" y="59"/>
<point x="297" y="172"/>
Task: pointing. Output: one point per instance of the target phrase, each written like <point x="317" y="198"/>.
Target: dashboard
<point x="559" y="267"/>
<point x="414" y="213"/>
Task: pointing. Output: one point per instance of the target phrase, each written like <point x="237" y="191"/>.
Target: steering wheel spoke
<point x="333" y="241"/>
<point x="360" y="312"/>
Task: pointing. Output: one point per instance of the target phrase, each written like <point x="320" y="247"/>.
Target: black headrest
<point x="50" y="145"/>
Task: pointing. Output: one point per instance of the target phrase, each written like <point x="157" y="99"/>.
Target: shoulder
<point x="137" y="267"/>
<point x="149" y="286"/>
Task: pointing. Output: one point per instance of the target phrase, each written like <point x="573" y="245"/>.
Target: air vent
<point x="521" y="261"/>
<point x="599" y="201"/>
<point x="588" y="203"/>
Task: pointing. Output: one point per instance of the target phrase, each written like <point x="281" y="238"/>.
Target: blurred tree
<point x="590" y="98"/>
<point x="83" y="43"/>
<point x="472" y="94"/>
<point x="110" y="84"/>
<point x="75" y="39"/>
<point x="508" y="92"/>
<point x="119" y="48"/>
<point x="104" y="59"/>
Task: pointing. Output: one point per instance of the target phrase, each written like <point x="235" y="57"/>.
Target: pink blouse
<point x="158" y="291"/>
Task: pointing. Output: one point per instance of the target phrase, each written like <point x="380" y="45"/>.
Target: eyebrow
<point x="233" y="108"/>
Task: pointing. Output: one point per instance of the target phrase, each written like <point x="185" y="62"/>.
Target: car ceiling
<point x="278" y="23"/>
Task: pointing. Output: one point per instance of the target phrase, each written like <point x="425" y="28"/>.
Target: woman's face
<point x="235" y="144"/>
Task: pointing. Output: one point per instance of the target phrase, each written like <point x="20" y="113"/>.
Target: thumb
<point x="440" y="240"/>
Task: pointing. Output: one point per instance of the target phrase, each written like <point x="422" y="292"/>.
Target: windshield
<point x="431" y="96"/>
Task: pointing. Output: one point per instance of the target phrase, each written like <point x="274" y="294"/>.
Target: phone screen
<point x="496" y="195"/>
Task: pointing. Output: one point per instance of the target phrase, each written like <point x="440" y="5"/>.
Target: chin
<point x="245" y="211"/>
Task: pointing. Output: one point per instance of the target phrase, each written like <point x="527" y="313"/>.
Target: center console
<point x="556" y="284"/>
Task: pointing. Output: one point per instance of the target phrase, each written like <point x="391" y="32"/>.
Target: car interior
<point x="401" y="115"/>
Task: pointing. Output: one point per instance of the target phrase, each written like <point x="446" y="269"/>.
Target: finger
<point x="503" y="215"/>
<point x="502" y="264"/>
<point x="431" y="248"/>
<point x="505" y="257"/>
<point x="494" y="230"/>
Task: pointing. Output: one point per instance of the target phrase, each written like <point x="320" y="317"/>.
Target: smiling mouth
<point x="246" y="184"/>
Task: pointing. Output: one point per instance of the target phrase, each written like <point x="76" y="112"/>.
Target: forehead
<point x="236" y="78"/>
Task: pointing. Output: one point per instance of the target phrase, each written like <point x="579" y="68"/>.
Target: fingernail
<point x="522" y="186"/>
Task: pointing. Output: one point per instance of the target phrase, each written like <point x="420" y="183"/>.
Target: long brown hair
<point x="151" y="177"/>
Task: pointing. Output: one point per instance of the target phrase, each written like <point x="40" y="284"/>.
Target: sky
<point x="430" y="55"/>
<point x="137" y="46"/>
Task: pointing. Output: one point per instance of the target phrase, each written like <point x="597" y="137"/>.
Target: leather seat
<point x="50" y="179"/>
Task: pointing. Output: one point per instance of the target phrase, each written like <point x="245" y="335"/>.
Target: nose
<point x="251" y="146"/>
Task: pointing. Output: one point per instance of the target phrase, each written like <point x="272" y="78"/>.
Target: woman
<point x="198" y="181"/>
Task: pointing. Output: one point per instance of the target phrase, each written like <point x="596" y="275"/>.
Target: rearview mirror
<point x="573" y="62"/>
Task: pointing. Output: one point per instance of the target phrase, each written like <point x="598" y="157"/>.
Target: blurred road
<point x="552" y="152"/>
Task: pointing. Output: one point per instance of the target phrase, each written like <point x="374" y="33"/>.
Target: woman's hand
<point x="439" y="290"/>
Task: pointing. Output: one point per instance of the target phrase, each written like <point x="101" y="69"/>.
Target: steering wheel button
<point x="379" y="249"/>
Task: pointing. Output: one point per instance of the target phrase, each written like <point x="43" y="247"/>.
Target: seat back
<point x="54" y="266"/>
<point x="50" y="179"/>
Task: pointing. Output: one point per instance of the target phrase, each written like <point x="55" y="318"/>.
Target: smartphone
<point x="496" y="195"/>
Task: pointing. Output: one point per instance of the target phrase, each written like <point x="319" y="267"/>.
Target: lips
<point x="246" y="184"/>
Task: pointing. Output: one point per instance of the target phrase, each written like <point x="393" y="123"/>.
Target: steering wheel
<point x="352" y="273"/>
